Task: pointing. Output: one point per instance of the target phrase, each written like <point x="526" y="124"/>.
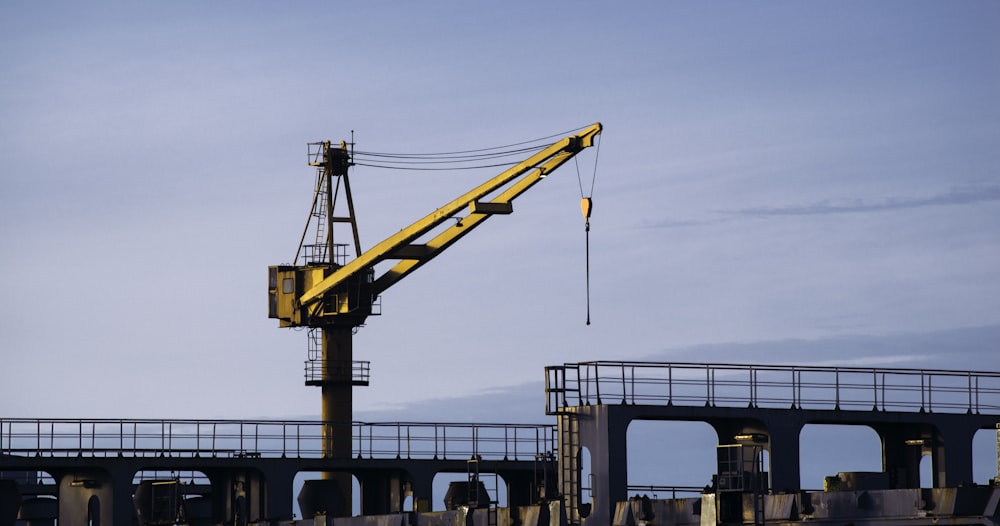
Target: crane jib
<point x="530" y="171"/>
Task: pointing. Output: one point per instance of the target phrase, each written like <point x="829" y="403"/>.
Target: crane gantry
<point x="331" y="295"/>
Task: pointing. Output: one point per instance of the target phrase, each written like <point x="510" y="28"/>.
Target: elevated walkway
<point x="914" y="412"/>
<point x="251" y="464"/>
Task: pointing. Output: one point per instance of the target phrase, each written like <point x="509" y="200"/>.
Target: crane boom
<point x="399" y="246"/>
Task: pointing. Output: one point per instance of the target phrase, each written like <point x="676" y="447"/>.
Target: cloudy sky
<point x="778" y="182"/>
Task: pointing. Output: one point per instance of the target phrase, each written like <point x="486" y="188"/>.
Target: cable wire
<point x="456" y="160"/>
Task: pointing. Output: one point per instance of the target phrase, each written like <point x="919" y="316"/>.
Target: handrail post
<point x="796" y="387"/>
<point x="624" y="389"/>
<point x="930" y="393"/>
<point x="883" y="390"/>
<point x="875" y="389"/>
<point x="836" y="380"/>
<point x="506" y="441"/>
<point x="597" y="382"/>
<point x="970" y="391"/>
<point x="708" y="384"/>
<point x="670" y="384"/>
<point x="977" y="396"/>
<point x="921" y="391"/>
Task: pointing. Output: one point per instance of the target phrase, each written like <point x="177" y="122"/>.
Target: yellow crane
<point x="336" y="298"/>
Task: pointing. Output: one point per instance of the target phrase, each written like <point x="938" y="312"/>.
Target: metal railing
<point x="771" y="386"/>
<point x="270" y="439"/>
<point x="319" y="371"/>
<point x="655" y="492"/>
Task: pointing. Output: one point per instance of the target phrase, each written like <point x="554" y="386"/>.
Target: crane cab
<point x="350" y="302"/>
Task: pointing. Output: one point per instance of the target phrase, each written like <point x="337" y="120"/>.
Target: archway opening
<point x="585" y="474"/>
<point x="94" y="511"/>
<point x="926" y="471"/>
<point x="986" y="456"/>
<point x="828" y="449"/>
<point x="670" y="459"/>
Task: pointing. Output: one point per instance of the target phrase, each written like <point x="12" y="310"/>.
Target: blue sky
<point x="824" y="173"/>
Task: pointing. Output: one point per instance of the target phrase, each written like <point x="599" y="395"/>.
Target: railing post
<point x="670" y="384"/>
<point x="796" y="388"/>
<point x="875" y="389"/>
<point x="836" y="387"/>
<point x="708" y="384"/>
<point x="624" y="387"/>
<point x="597" y="382"/>
<point x="883" y="390"/>
<point x="921" y="391"/>
<point x="977" y="401"/>
<point x="930" y="393"/>
<point x="970" y="392"/>
<point x="506" y="442"/>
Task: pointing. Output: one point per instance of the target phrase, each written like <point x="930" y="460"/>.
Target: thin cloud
<point x="957" y="196"/>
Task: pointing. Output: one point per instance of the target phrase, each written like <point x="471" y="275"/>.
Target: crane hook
<point x="586" y="205"/>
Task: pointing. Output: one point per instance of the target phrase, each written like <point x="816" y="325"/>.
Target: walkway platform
<point x="914" y="412"/>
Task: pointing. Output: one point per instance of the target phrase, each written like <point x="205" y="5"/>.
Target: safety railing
<point x="770" y="386"/>
<point x="269" y="439"/>
<point x="667" y="492"/>
<point x="318" y="371"/>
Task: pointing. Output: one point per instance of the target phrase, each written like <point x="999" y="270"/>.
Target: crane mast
<point x="333" y="297"/>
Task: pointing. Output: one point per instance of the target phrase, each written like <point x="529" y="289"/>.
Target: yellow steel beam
<point x="535" y="167"/>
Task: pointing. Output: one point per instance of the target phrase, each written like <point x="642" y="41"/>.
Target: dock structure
<point x="575" y="472"/>
<point x="245" y="468"/>
<point x="763" y="408"/>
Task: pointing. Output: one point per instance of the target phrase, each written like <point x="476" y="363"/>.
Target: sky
<point x="777" y="182"/>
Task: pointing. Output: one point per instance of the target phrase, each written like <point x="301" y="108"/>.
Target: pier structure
<point x="242" y="471"/>
<point x="764" y="408"/>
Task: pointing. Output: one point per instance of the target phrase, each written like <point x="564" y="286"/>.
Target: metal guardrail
<point x="319" y="371"/>
<point x="270" y="439"/>
<point x="655" y="492"/>
<point x="770" y="386"/>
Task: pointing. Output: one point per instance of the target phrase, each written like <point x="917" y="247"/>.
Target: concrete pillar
<point x="605" y="424"/>
<point x="784" y="453"/>
<point x="951" y="454"/>
<point x="422" y="488"/>
<point x="278" y="494"/>
<point x="238" y="495"/>
<point x="382" y="492"/>
<point x="520" y="487"/>
<point x="900" y="454"/>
